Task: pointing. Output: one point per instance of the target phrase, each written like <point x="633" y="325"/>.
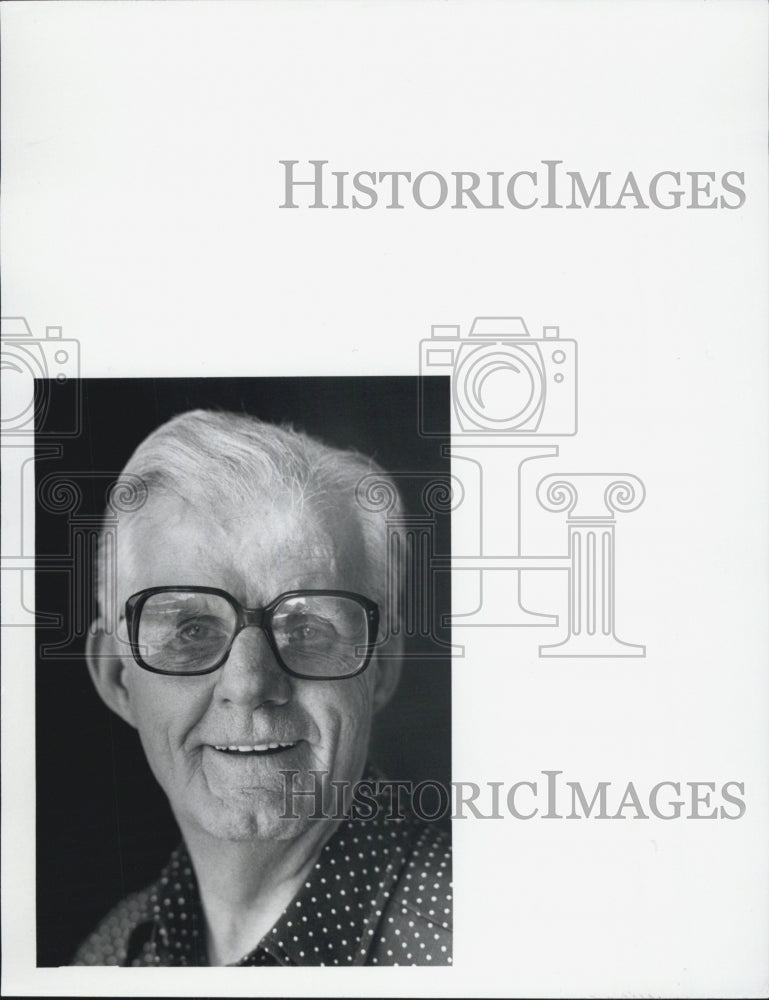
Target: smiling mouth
<point x="256" y="749"/>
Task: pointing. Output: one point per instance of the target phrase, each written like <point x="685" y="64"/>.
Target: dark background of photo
<point x="104" y="827"/>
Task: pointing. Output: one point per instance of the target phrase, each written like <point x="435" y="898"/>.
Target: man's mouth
<point x="255" y="749"/>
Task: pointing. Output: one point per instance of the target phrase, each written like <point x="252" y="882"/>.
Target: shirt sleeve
<point x="110" y="942"/>
<point x="416" y="926"/>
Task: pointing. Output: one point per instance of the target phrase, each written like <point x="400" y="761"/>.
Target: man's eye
<point x="198" y="631"/>
<point x="195" y="631"/>
<point x="305" y="632"/>
<point x="311" y="631"/>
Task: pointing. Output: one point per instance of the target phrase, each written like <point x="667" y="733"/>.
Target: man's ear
<point x="107" y="671"/>
<point x="388" y="673"/>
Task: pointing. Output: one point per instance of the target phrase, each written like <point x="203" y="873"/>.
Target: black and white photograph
<point x="271" y="823"/>
<point x="385" y="521"/>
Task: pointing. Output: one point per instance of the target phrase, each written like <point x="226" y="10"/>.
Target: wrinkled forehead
<point x="255" y="549"/>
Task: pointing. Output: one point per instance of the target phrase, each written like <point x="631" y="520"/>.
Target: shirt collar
<point x="178" y="914"/>
<point x="332" y="919"/>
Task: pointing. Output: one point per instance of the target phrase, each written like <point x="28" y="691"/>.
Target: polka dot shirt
<point x="379" y="894"/>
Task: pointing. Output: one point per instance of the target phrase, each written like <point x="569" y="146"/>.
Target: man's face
<point x="249" y="701"/>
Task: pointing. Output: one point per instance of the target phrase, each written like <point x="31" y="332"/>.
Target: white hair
<point x="205" y="455"/>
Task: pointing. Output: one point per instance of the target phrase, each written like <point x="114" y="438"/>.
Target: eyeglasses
<point x="314" y="634"/>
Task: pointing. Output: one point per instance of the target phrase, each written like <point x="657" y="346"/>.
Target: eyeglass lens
<point x="315" y="634"/>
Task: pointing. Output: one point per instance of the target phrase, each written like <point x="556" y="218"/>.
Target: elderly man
<point x="249" y="657"/>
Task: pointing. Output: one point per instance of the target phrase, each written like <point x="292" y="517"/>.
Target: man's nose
<point x="251" y="675"/>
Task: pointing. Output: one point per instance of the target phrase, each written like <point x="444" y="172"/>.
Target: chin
<point x="251" y="816"/>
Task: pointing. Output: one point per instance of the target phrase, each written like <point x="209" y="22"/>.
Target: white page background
<point x="141" y="187"/>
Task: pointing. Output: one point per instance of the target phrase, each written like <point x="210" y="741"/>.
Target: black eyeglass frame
<point x="260" y="617"/>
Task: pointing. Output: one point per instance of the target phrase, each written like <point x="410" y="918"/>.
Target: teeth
<point x="251" y="748"/>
